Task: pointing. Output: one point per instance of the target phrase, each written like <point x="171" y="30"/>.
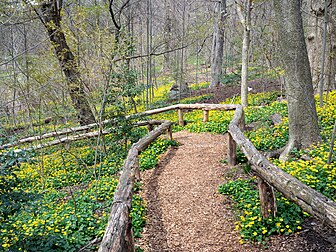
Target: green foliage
<point x="201" y="85"/>
<point x="315" y="172"/>
<point x="75" y="188"/>
<point x="12" y="198"/>
<point x="230" y="78"/>
<point x="241" y="158"/>
<point x="149" y="158"/>
<point x="138" y="214"/>
<point x="249" y="219"/>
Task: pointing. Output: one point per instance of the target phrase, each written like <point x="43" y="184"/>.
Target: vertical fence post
<point x="205" y="115"/>
<point x="170" y="133"/>
<point x="150" y="127"/>
<point x="180" y="117"/>
<point x="129" y="239"/>
<point x="232" y="151"/>
<point x="241" y="124"/>
<point x="267" y="199"/>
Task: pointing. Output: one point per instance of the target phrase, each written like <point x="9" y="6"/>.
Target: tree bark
<point x="167" y="35"/>
<point x="245" y="19"/>
<point x="302" y="117"/>
<point x="323" y="57"/>
<point x="218" y="44"/>
<point x="50" y="15"/>
<point x="319" y="42"/>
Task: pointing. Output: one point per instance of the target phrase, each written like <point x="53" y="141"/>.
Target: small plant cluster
<point x="268" y="136"/>
<point x="150" y="157"/>
<point x="201" y="85"/>
<point x="249" y="219"/>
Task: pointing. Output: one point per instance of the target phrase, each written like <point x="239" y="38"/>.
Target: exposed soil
<point x="186" y="213"/>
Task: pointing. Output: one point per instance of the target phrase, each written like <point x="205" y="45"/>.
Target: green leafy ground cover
<point x="63" y="198"/>
<point x="315" y="172"/>
<point x="67" y="194"/>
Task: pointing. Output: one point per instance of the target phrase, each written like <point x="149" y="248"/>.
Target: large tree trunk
<point x="217" y="47"/>
<point x="50" y="15"/>
<point x="244" y="12"/>
<point x="302" y="117"/>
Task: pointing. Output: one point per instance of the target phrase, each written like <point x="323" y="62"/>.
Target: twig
<point x="332" y="144"/>
<point x="93" y="242"/>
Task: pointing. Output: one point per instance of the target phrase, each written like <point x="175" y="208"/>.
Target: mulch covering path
<point x="185" y="211"/>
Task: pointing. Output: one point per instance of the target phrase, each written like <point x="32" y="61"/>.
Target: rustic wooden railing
<point x="71" y="135"/>
<point x="307" y="198"/>
<point x="118" y="235"/>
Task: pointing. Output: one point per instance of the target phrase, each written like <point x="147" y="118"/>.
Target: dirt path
<point x="185" y="212"/>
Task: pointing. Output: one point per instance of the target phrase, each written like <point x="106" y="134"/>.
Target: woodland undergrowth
<point x="58" y="199"/>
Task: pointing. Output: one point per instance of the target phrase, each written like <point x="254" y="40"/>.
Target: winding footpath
<point x="185" y="211"/>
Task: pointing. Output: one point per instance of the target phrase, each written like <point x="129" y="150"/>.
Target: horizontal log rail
<point x="306" y="197"/>
<point x="73" y="130"/>
<point x="76" y="137"/>
<point x="118" y="233"/>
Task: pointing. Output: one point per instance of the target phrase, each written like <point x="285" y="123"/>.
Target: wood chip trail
<point x="185" y="211"/>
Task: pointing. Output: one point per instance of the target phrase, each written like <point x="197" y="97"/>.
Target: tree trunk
<point x="302" y="117"/>
<point x="50" y="15"/>
<point x="167" y="35"/>
<point x="218" y="44"/>
<point x="245" y="19"/>
<point x="319" y="40"/>
<point x="332" y="53"/>
<point x="323" y="57"/>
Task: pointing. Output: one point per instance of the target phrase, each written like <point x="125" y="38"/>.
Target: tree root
<point x="284" y="155"/>
<point x="275" y="153"/>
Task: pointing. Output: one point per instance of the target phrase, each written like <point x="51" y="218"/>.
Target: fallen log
<point x="82" y="136"/>
<point x="73" y="130"/>
<point x="53" y="134"/>
<point x="307" y="198"/>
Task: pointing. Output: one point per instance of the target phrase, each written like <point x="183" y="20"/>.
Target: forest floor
<point x="223" y="92"/>
<point x="186" y="213"/>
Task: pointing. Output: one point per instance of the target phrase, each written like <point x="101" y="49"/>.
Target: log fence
<point x="118" y="234"/>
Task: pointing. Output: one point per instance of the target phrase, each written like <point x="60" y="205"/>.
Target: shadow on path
<point x="158" y="240"/>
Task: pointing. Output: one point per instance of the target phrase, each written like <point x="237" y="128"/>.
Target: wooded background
<point x="61" y="60"/>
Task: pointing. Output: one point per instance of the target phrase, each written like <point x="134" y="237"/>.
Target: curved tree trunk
<point x="218" y="44"/>
<point x="302" y="117"/>
<point x="50" y="15"/>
